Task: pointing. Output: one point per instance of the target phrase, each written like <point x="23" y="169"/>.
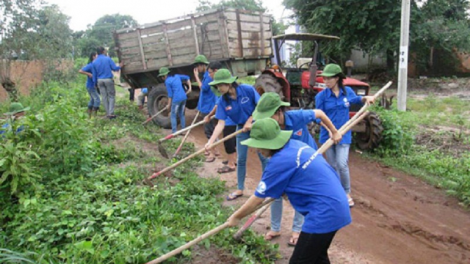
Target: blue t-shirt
<point x="313" y="187"/>
<point x="228" y="121"/>
<point x="103" y="67"/>
<point x="174" y="87"/>
<point x="6" y="127"/>
<point x="89" y="81"/>
<point x="297" y="121"/>
<point x="238" y="110"/>
<point x="337" y="109"/>
<point x="206" y="98"/>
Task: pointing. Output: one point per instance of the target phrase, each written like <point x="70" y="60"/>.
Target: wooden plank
<point x="157" y="63"/>
<point x="246" y="35"/>
<point x="129" y="43"/>
<point x="239" y="35"/>
<point x="141" y="50"/>
<point x="125" y="36"/>
<point x="196" y="43"/>
<point x="208" y="18"/>
<point x="247" y="18"/>
<point x="168" y="50"/>
<point x="154" y="40"/>
<point x="180" y="35"/>
<point x="249" y="52"/>
<point x="251" y="43"/>
<point x="245" y="26"/>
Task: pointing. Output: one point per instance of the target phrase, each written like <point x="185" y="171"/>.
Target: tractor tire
<point x="268" y="83"/>
<point x="157" y="100"/>
<point x="371" y="138"/>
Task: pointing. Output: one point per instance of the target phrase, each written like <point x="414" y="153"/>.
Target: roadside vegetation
<point x="431" y="140"/>
<point x="71" y="191"/>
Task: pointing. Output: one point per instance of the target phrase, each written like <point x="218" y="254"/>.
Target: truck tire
<point x="268" y="83"/>
<point x="371" y="138"/>
<point x="157" y="100"/>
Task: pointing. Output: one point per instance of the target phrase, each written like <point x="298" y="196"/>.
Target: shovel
<point x="152" y="117"/>
<point x="162" y="150"/>
<point x="148" y="180"/>
<point x="185" y="136"/>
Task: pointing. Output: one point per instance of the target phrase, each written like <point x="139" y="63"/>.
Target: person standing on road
<point x="310" y="183"/>
<point x="238" y="101"/>
<point x="176" y="96"/>
<point x="230" y="127"/>
<point x="335" y="102"/>
<point x="270" y="105"/>
<point x="94" y="103"/>
<point x="103" y="76"/>
<point x="207" y="100"/>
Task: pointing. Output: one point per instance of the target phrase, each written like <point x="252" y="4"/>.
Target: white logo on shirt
<point x="261" y="187"/>
<point x="346" y="103"/>
<point x="245" y="100"/>
<point x="298" y="155"/>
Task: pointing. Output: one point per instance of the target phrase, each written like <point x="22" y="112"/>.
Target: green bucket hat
<point x="266" y="134"/>
<point x="201" y="59"/>
<point x="332" y="70"/>
<point x="268" y="105"/>
<point x="223" y="76"/>
<point x="16" y="108"/>
<point x="163" y="71"/>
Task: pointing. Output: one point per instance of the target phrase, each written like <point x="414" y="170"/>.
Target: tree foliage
<point x="101" y="33"/>
<point x="31" y="30"/>
<point x="374" y="25"/>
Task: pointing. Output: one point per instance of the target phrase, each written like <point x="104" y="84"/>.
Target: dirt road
<point x="397" y="218"/>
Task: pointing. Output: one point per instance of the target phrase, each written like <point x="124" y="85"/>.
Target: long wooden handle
<point x="189" y="244"/>
<point x="152" y="117"/>
<point x="186" y="136"/>
<point x="194" y="154"/>
<point x="170" y="136"/>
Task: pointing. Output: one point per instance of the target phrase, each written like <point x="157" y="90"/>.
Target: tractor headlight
<point x="321" y="85"/>
<point x="361" y="92"/>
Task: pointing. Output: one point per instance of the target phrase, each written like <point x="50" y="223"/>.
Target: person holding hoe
<point x="238" y="101"/>
<point x="335" y="102"/>
<point x="207" y="100"/>
<point x="310" y="183"/>
<point x="270" y="105"/>
<point x="176" y="96"/>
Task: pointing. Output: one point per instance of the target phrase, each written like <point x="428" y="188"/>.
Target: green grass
<point x="83" y="200"/>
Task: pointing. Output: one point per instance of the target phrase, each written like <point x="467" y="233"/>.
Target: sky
<point x="85" y="12"/>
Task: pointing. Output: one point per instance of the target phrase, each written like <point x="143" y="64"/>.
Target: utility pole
<point x="403" y="60"/>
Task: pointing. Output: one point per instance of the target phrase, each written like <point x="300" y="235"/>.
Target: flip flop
<point x="226" y="169"/>
<point x="269" y="237"/>
<point x="293" y="241"/>
<point x="225" y="162"/>
<point x="210" y="159"/>
<point x="233" y="196"/>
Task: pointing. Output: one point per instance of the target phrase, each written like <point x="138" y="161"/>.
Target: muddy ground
<point x="397" y="218"/>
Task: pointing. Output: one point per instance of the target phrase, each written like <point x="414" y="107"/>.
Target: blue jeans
<point x="94" y="98"/>
<point x="177" y="109"/>
<point x="276" y="217"/>
<point x="337" y="156"/>
<point x="242" y="152"/>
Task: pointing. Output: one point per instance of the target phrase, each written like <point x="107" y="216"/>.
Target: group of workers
<point x="318" y="190"/>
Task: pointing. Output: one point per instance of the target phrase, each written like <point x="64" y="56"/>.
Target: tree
<point x="102" y="31"/>
<point x="30" y="31"/>
<point x="374" y="25"/>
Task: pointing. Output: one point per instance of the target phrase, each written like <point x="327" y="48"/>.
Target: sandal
<point x="225" y="162"/>
<point x="271" y="235"/>
<point x="233" y="196"/>
<point x="210" y="159"/>
<point x="225" y="169"/>
<point x="293" y="239"/>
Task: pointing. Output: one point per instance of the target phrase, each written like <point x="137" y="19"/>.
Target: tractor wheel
<point x="268" y="83"/>
<point x="373" y="135"/>
<point x="157" y="100"/>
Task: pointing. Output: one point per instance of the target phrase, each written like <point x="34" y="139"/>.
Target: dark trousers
<point x="312" y="249"/>
<point x="231" y="144"/>
<point x="209" y="127"/>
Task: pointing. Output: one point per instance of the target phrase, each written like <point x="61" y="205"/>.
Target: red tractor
<point x="300" y="85"/>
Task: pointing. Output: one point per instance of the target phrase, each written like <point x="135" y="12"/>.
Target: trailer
<point x="239" y="39"/>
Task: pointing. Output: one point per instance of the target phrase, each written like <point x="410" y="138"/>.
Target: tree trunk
<point x="10" y="87"/>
